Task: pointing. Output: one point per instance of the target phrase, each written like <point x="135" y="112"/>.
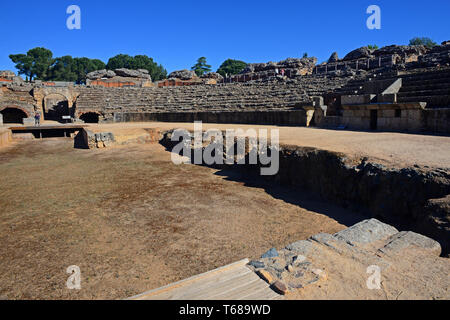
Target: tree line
<point x="39" y="64"/>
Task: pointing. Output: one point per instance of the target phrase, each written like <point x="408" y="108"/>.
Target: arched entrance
<point x="90" y="117"/>
<point x="13" y="115"/>
<point x="55" y="107"/>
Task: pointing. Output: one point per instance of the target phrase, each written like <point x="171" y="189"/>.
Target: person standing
<point x="37" y="118"/>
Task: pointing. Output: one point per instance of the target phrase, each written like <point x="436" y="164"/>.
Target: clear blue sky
<point x="176" y="33"/>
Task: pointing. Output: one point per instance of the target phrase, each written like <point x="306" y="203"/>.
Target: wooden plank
<point x="222" y="288"/>
<point x="264" y="294"/>
<point x="194" y="290"/>
<point x="246" y="289"/>
<point x="232" y="282"/>
<point x="149" y="294"/>
<point x="200" y="287"/>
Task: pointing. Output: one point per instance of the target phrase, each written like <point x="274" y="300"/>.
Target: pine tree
<point x="200" y="68"/>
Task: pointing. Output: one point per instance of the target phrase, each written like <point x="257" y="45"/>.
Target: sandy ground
<point x="392" y="149"/>
<point x="413" y="274"/>
<point x="133" y="221"/>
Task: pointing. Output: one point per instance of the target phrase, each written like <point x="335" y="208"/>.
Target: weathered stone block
<point x="404" y="240"/>
<point x="302" y="247"/>
<point x="272" y="253"/>
<point x="280" y="287"/>
<point x="366" y="232"/>
<point x="387" y="113"/>
<point x="28" y="121"/>
<point x="266" y="276"/>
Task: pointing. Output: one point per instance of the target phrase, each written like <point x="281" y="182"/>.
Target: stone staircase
<point x="432" y="87"/>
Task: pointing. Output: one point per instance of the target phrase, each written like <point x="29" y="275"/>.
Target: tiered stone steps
<point x="431" y="87"/>
<point x="222" y="97"/>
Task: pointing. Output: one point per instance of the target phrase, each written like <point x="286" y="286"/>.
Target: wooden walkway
<point x="233" y="282"/>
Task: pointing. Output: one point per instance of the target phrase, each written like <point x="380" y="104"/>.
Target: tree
<point x="119" y="61"/>
<point x="23" y="64"/>
<point x="305" y="55"/>
<point x="62" y="69"/>
<point x="73" y="69"/>
<point x="231" y="67"/>
<point x="372" y="47"/>
<point x="83" y="66"/>
<point x="427" y="42"/>
<point x="157" y="72"/>
<point x="201" y="67"/>
<point x="34" y="64"/>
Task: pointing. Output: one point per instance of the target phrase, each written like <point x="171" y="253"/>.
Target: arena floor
<point x="133" y="221"/>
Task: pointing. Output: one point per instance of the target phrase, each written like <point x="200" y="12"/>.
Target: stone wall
<point x="18" y="97"/>
<point x="437" y="120"/>
<point x="406" y="120"/>
<point x="282" y="117"/>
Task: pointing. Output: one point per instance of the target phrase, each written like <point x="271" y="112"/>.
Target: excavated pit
<point x="409" y="199"/>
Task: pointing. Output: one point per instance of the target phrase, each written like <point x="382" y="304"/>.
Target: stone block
<point x="272" y="253"/>
<point x="366" y="232"/>
<point x="386" y="113"/>
<point x="280" y="288"/>
<point x="28" y="121"/>
<point x="415" y="114"/>
<point x="266" y="276"/>
<point x="302" y="247"/>
<point x="357" y="99"/>
<point x="382" y="122"/>
<point x="407" y="239"/>
<point x="1" y="119"/>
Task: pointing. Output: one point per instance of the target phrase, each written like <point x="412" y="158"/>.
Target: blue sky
<point x="176" y="33"/>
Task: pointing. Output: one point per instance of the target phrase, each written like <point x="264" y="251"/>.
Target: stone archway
<point x="13" y="114"/>
<point x="55" y="107"/>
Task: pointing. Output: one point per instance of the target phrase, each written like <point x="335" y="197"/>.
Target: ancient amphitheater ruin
<point x="367" y="135"/>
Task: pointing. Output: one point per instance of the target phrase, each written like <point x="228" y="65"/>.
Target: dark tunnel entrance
<point x="90" y="117"/>
<point x="13" y="115"/>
